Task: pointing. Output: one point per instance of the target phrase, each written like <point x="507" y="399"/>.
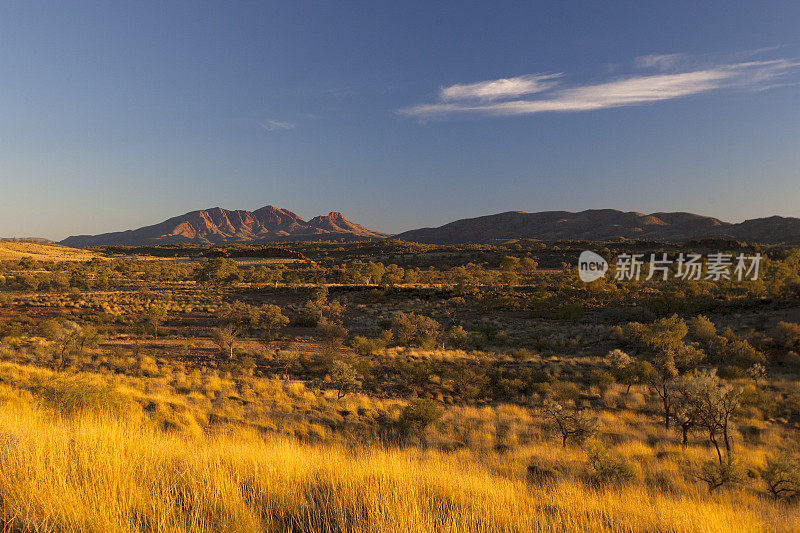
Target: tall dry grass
<point x="98" y="471"/>
<point x="13" y="251"/>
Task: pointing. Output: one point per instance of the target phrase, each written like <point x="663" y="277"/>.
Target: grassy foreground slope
<point x="14" y="251"/>
<point x="77" y="454"/>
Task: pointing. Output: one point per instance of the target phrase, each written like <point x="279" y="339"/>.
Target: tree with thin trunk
<point x="225" y="337"/>
<point x="624" y="367"/>
<point x="720" y="403"/>
<point x="660" y="377"/>
<point x="686" y="411"/>
<point x="154" y="317"/>
<point x="345" y="377"/>
<point x="271" y="319"/>
<point x="757" y="373"/>
<point x="572" y="424"/>
<point x="712" y="404"/>
<point x="66" y="337"/>
<point x="88" y="338"/>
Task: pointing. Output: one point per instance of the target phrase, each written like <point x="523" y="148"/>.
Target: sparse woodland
<point x="391" y="386"/>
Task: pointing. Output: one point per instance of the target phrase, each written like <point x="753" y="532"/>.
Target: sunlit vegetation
<point x="395" y="387"/>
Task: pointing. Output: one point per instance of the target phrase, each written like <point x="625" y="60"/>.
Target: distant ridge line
<point x="221" y="226"/>
<point x="269" y="224"/>
<point x="605" y="224"/>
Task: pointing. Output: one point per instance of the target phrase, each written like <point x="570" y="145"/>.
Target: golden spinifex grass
<point x="13" y="251"/>
<point x="116" y="472"/>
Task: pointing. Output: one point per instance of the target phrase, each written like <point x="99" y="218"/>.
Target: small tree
<point x="410" y="328"/>
<point x="345" y="377"/>
<point x="602" y="379"/>
<point x="619" y="359"/>
<point x="686" y="410"/>
<point x="60" y="280"/>
<point x="29" y="281"/>
<point x="333" y="333"/>
<point x="660" y="377"/>
<point x="782" y="476"/>
<point x="218" y="270"/>
<point x="716" y="404"/>
<point x="287" y="360"/>
<point x="573" y="425"/>
<point x="662" y="335"/>
<point x="715" y="474"/>
<point x="154" y="317"/>
<point x="604" y="467"/>
<point x="757" y="373"/>
<point x="626" y="370"/>
<point x="88" y="338"/>
<point x="742" y="353"/>
<point x="429" y="332"/>
<point x="404" y="328"/>
<point x="242" y="316"/>
<point x="528" y="264"/>
<point x="225" y="337"/>
<point x="509" y="263"/>
<point x="65" y="336"/>
<point x="272" y="319"/>
<point x="320" y="308"/>
<point x="365" y="346"/>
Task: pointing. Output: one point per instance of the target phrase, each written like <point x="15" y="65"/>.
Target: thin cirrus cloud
<point x="502" y="88"/>
<point x="500" y="97"/>
<point x="659" y="61"/>
<point x="275" y="125"/>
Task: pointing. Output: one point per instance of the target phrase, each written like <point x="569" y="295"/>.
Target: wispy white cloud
<point x="502" y="88"/>
<point x="763" y="49"/>
<point x="659" y="61"/>
<point x="633" y="90"/>
<point x="275" y="125"/>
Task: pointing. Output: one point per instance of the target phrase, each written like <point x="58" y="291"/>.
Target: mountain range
<point x="606" y="224"/>
<point x="221" y="226"/>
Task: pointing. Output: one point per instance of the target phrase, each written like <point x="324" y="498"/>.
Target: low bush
<point x="78" y="394"/>
<point x="604" y="467"/>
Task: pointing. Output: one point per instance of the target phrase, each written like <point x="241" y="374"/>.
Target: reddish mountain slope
<point x="220" y="226"/>
<point x="593" y="224"/>
<point x="605" y="224"/>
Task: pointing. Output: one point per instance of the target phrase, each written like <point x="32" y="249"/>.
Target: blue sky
<point x="115" y="115"/>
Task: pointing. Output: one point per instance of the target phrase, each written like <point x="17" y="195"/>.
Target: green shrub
<point x="77" y="394"/>
<point x="792" y="361"/>
<point x="418" y="415"/>
<point x="538" y="473"/>
<point x="732" y="372"/>
<point x="604" y="467"/>
<point x="366" y="347"/>
<point x="741" y="353"/>
<point x="782" y="476"/>
<point x="717" y="474"/>
<point x="602" y="379"/>
<point x="702" y="329"/>
<point x="787" y="334"/>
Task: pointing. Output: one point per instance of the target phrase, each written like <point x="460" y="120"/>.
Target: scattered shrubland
<point x="395" y="387"/>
